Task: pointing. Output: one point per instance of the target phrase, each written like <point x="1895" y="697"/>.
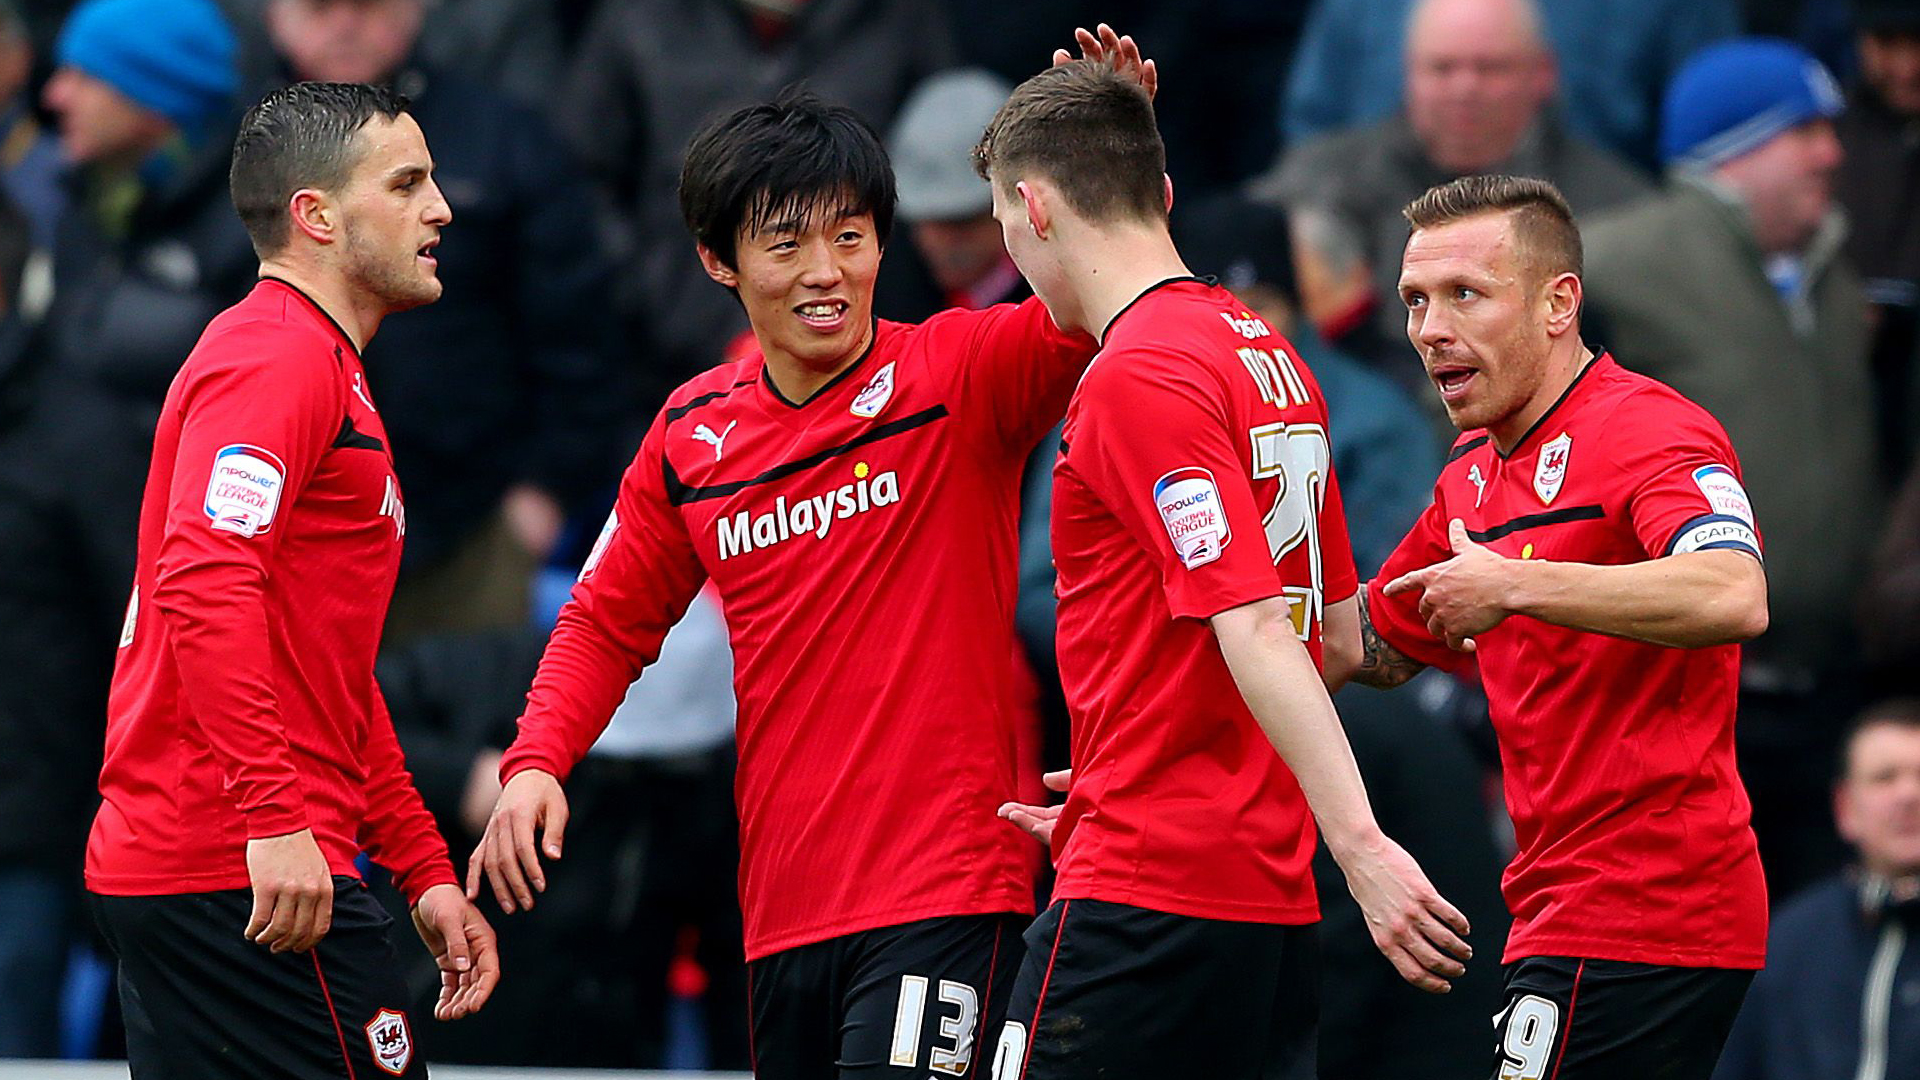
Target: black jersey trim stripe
<point x="766" y="374"/>
<point x="315" y="304"/>
<point x="679" y="411"/>
<point x="1599" y="355"/>
<point x="1535" y="521"/>
<point x="1466" y="448"/>
<point x="352" y="438"/>
<point x="1209" y="282"/>
<point x="679" y="493"/>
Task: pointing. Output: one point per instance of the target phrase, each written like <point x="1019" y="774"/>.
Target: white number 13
<point x="958" y="1029"/>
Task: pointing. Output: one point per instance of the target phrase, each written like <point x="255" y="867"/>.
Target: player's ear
<point x="1039" y="213"/>
<point x="314" y="215"/>
<point x="716" y="269"/>
<point x="1167" y="181"/>
<point x="1563" y="297"/>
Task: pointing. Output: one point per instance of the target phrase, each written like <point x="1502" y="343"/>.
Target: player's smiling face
<point x="1474" y="314"/>
<point x="807" y="284"/>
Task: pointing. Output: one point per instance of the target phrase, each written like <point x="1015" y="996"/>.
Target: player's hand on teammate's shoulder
<point x="531" y="803"/>
<point x="1412" y="925"/>
<point x="292" y="892"/>
<point x="1119" y="51"/>
<point x="1038" y="821"/>
<point x="1464" y="595"/>
<point x="462" y="945"/>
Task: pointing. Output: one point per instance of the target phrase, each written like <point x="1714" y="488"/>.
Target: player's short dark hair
<point x="299" y="136"/>
<point x="1901" y="712"/>
<point x="1091" y="132"/>
<point x="1542" y="220"/>
<point x="787" y="160"/>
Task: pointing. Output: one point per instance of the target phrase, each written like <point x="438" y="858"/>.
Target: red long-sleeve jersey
<point x="243" y="702"/>
<point x="863" y="543"/>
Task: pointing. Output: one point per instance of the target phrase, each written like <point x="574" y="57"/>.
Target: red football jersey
<point x="1618" y="756"/>
<point x="243" y="701"/>
<point x="1195" y="476"/>
<point x="864" y="545"/>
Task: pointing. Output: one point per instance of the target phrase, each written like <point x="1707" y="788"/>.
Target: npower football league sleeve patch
<point x="243" y="492"/>
<point x="1189" y="505"/>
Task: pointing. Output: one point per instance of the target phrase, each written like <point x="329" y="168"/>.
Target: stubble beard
<point x="395" y="282"/>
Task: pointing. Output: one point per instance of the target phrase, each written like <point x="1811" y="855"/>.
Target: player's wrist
<point x="1354" y="840"/>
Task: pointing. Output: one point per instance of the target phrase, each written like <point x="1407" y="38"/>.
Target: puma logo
<point x="705" y="434"/>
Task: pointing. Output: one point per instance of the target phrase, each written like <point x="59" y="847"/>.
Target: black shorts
<point x="1563" y="1018"/>
<point x="201" y="1002"/>
<point x="898" y="1003"/>
<point x="1124" y="993"/>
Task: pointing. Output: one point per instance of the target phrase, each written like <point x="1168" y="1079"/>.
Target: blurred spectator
<point x="1890" y="603"/>
<point x="29" y="158"/>
<point x="1840" y="997"/>
<point x="1880" y="188"/>
<point x="1479" y="78"/>
<point x="503" y="401"/>
<point x="1731" y="287"/>
<point x="1616" y="57"/>
<point x="150" y="249"/>
<point x="513" y="45"/>
<point x="650" y="71"/>
<point x="65" y="562"/>
<point x="147" y="252"/>
<point x="954" y="256"/>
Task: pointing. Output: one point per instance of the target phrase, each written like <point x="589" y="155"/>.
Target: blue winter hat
<point x="176" y="57"/>
<point x="1732" y="97"/>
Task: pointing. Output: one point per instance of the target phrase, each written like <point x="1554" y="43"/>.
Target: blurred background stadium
<point x="1296" y="129"/>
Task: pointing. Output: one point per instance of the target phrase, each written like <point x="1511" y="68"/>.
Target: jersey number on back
<point x="1299" y="458"/>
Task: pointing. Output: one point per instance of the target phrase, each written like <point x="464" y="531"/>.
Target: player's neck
<point x="1110" y="268"/>
<point x="1564" y="365"/>
<point x="798" y="380"/>
<point x="357" y="314"/>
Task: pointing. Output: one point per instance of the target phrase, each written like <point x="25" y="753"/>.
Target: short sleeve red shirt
<point x="1632" y="823"/>
<point x="1194" y="476"/>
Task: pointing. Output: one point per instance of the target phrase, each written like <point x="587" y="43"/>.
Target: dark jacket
<point x="1840" y="985"/>
<point x="510" y="376"/>
<point x="650" y="72"/>
<point x="1880" y="189"/>
<point x="130" y="300"/>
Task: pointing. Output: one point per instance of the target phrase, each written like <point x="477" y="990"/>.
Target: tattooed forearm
<point x="1381" y="665"/>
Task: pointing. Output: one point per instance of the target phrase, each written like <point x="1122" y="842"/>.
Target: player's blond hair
<point x="1542" y="221"/>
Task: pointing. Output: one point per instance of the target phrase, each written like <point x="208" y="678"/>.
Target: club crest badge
<point x="1551" y="472"/>
<point x="390" y="1040"/>
<point x="874" y="396"/>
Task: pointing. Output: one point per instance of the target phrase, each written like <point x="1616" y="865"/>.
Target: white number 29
<point x="1532" y="1023"/>
<point x="958" y="1028"/>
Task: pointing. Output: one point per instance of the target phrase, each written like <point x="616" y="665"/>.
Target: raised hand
<point x="1116" y="51"/>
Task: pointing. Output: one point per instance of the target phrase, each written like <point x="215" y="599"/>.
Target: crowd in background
<point x="1753" y="238"/>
